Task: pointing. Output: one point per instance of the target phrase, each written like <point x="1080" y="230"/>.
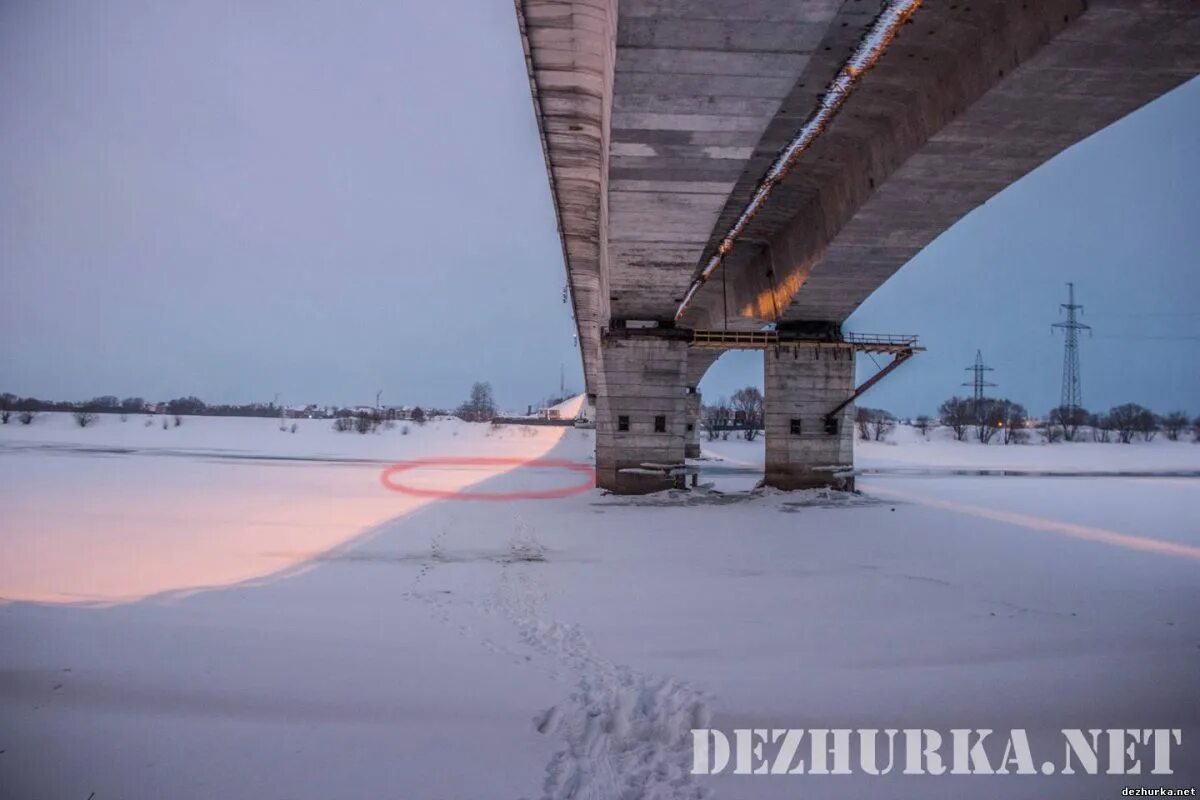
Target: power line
<point x="1153" y="338"/>
<point x="1150" y="314"/>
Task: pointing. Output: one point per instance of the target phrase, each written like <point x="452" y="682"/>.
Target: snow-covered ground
<point x="211" y="502"/>
<point x="906" y="449"/>
<point x="358" y="642"/>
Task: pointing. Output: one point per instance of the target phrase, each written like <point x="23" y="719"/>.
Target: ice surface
<point x="547" y="649"/>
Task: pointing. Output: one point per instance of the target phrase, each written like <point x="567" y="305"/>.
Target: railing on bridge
<point x="733" y="340"/>
<point x="757" y="340"/>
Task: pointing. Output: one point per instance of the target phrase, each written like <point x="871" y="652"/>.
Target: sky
<point x="317" y="202"/>
<point x="235" y="200"/>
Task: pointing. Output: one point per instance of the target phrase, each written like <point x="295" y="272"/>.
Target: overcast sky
<point x="323" y="200"/>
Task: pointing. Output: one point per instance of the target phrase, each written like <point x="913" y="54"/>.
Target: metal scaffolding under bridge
<point x="900" y="347"/>
<point x="759" y="340"/>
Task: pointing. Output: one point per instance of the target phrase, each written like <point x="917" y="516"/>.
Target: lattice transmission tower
<point x="979" y="383"/>
<point x="1072" y="388"/>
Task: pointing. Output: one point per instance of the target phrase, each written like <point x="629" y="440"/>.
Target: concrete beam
<point x="697" y="83"/>
<point x="1105" y="64"/>
<point x="570" y="55"/>
<point x="968" y="99"/>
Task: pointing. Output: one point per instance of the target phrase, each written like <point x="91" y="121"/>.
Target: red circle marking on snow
<point x="386" y="478"/>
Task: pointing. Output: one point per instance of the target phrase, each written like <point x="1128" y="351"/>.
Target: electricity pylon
<point x="979" y="383"/>
<point x="1072" y="388"/>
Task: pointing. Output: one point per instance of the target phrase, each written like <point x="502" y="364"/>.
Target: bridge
<point x="744" y="173"/>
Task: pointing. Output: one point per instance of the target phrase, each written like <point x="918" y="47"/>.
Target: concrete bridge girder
<point x="660" y="118"/>
<point x="967" y="100"/>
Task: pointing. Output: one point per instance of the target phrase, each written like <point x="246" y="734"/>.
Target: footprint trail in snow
<point x="626" y="735"/>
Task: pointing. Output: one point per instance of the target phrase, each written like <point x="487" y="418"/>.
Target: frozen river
<point x="227" y="610"/>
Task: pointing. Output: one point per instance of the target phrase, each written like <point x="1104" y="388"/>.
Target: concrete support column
<point x="802" y="385"/>
<point x="691" y="448"/>
<point x="641" y="413"/>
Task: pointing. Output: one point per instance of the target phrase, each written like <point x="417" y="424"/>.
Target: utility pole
<point x="1072" y="390"/>
<point x="979" y="383"/>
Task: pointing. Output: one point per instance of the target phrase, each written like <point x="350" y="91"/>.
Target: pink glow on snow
<point x="150" y="524"/>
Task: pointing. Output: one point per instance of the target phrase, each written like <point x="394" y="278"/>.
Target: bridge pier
<point x="804" y="448"/>
<point x="642" y="413"/>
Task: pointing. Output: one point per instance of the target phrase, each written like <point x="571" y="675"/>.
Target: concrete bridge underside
<point x="659" y="119"/>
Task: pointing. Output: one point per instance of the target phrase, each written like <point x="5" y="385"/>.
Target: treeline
<point x="1121" y="423"/>
<point x="12" y="405"/>
<point x="111" y="404"/>
<point x="742" y="413"/>
<point x="479" y="407"/>
<point x="985" y="419"/>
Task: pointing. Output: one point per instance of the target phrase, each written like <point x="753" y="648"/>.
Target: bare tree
<point x="882" y="423"/>
<point x="1068" y="420"/>
<point x="958" y="414"/>
<point x="1101" y="425"/>
<point x="1014" y="418"/>
<point x="922" y="424"/>
<point x="989" y="419"/>
<point x="186" y="405"/>
<point x="105" y="403"/>
<point x="748" y="403"/>
<point x="1052" y="432"/>
<point x="1126" y="420"/>
<point x="27" y="417"/>
<point x="862" y="422"/>
<point x="366" y="421"/>
<point x="1147" y="424"/>
<point x="480" y="407"/>
<point x="873" y="423"/>
<point x="7" y="403"/>
<point x="84" y="418"/>
<point x="1174" y="424"/>
<point x="715" y="418"/>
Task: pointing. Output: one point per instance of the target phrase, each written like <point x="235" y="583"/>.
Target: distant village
<point x="479" y="407"/>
